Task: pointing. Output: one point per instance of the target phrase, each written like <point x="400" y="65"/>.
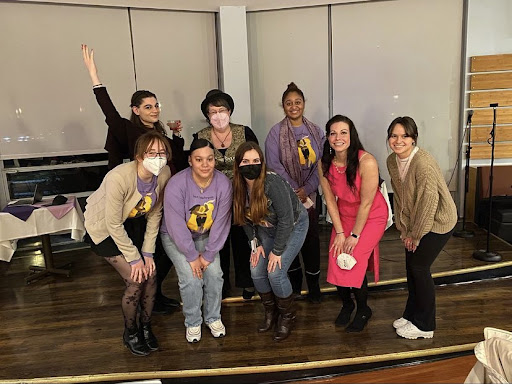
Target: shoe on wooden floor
<point x="410" y="331"/>
<point x="217" y="328"/>
<point x="399" y="323"/>
<point x="193" y="334"/>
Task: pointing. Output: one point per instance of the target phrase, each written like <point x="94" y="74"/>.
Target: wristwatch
<point x="354" y="235"/>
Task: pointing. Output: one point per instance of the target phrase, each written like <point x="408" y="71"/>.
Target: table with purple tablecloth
<point x="40" y="219"/>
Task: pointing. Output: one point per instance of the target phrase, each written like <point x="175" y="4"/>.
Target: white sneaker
<point x="410" y="331"/>
<point x="193" y="334"/>
<point x="218" y="329"/>
<point x="399" y="323"/>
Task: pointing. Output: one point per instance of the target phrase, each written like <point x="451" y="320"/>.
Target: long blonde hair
<point x="257" y="201"/>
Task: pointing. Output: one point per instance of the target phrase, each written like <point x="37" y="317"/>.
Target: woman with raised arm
<point x="122" y="218"/>
<point x="425" y="215"/>
<point x="276" y="222"/>
<point x="350" y="181"/>
<point x="226" y="137"/>
<point x="197" y="218"/>
<point x="121" y="137"/>
<point x="293" y="147"/>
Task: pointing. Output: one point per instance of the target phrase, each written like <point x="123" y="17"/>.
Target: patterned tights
<point x="134" y="293"/>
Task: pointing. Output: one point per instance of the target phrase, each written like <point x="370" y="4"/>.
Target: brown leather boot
<point x="286" y="318"/>
<point x="269" y="303"/>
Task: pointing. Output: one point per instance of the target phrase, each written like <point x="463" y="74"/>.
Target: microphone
<point x="470" y="115"/>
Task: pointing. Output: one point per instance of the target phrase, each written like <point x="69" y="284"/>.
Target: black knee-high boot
<point x="295" y="275"/>
<point x="314" y="293"/>
<point x="348" y="307"/>
<point x="363" y="312"/>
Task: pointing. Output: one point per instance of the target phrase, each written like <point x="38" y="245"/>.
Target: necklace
<point x="225" y="138"/>
<point x="203" y="187"/>
<point x="337" y="169"/>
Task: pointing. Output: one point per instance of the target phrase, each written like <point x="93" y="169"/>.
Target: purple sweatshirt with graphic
<point x="273" y="156"/>
<point x="190" y="213"/>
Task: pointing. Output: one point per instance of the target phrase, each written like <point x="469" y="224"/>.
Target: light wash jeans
<point x="194" y="291"/>
<point x="278" y="281"/>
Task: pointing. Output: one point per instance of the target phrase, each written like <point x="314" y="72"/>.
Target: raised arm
<point x="88" y="56"/>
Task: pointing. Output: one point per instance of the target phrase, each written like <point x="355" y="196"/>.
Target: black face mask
<point x="250" y="172"/>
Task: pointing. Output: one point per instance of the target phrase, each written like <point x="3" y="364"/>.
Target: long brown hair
<point x="352" y="151"/>
<point x="257" y="200"/>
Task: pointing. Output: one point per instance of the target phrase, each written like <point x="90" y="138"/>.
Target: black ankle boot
<point x="134" y="341"/>
<point x="148" y="336"/>
<point x="344" y="316"/>
<point x="360" y="319"/>
<point x="314" y="293"/>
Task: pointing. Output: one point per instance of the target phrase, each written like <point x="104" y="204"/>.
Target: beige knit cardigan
<point x="422" y="202"/>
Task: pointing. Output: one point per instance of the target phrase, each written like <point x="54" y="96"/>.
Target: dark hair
<point x="352" y="151"/>
<point x="136" y="101"/>
<point x="292" y="87"/>
<point x="220" y="102"/>
<point x="409" y="125"/>
<point x="257" y="201"/>
<point x="147" y="139"/>
<point x="200" y="143"/>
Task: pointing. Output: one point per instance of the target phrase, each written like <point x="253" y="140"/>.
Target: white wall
<point x="489" y="27"/>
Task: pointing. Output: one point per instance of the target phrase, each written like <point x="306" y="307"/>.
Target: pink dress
<point x="366" y="251"/>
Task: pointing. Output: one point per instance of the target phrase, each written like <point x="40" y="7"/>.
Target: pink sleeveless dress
<point x="366" y="251"/>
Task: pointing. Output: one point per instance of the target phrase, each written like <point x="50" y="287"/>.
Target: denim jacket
<point x="284" y="208"/>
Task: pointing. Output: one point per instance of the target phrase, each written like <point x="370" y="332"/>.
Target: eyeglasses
<point x="154" y="154"/>
<point x="213" y="113"/>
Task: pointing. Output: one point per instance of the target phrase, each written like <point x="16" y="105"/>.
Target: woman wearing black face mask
<point x="276" y="223"/>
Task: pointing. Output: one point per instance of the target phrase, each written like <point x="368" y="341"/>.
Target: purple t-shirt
<point x="190" y="213"/>
<point x="310" y="152"/>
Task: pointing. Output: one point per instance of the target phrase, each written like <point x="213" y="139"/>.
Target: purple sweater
<point x="273" y="156"/>
<point x="188" y="213"/>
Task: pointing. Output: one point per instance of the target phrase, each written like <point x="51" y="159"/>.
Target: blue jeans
<point x="194" y="291"/>
<point x="278" y="281"/>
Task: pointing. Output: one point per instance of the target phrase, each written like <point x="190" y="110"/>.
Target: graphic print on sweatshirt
<point x="307" y="155"/>
<point x="201" y="217"/>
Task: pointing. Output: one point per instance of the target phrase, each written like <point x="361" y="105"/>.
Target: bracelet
<point x="340" y="233"/>
<point x="354" y="235"/>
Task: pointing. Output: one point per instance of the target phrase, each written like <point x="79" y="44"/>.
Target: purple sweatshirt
<point x="188" y="213"/>
<point x="310" y="151"/>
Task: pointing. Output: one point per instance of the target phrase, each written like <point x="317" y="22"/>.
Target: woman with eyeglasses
<point x="197" y="217"/>
<point x="122" y="219"/>
<point x="293" y="148"/>
<point x="120" y="144"/>
<point x="226" y="137"/>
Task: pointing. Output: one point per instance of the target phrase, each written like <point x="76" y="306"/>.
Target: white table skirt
<point x="40" y="222"/>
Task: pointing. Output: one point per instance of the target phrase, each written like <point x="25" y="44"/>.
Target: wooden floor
<point x="69" y="329"/>
<point x="454" y="370"/>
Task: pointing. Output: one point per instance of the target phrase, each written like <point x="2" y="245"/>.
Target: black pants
<point x="237" y="240"/>
<point x="162" y="263"/>
<point x="421" y="303"/>
<point x="310" y="250"/>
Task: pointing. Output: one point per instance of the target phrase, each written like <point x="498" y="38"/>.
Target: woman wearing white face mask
<point x="226" y="137"/>
<point x="122" y="219"/>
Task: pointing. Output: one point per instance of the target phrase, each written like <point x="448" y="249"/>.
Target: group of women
<point x="230" y="200"/>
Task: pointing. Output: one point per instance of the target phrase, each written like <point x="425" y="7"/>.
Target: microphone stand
<point x="463" y="232"/>
<point x="487" y="255"/>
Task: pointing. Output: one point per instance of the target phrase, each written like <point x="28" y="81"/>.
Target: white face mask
<point x="220" y="120"/>
<point x="155" y="165"/>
